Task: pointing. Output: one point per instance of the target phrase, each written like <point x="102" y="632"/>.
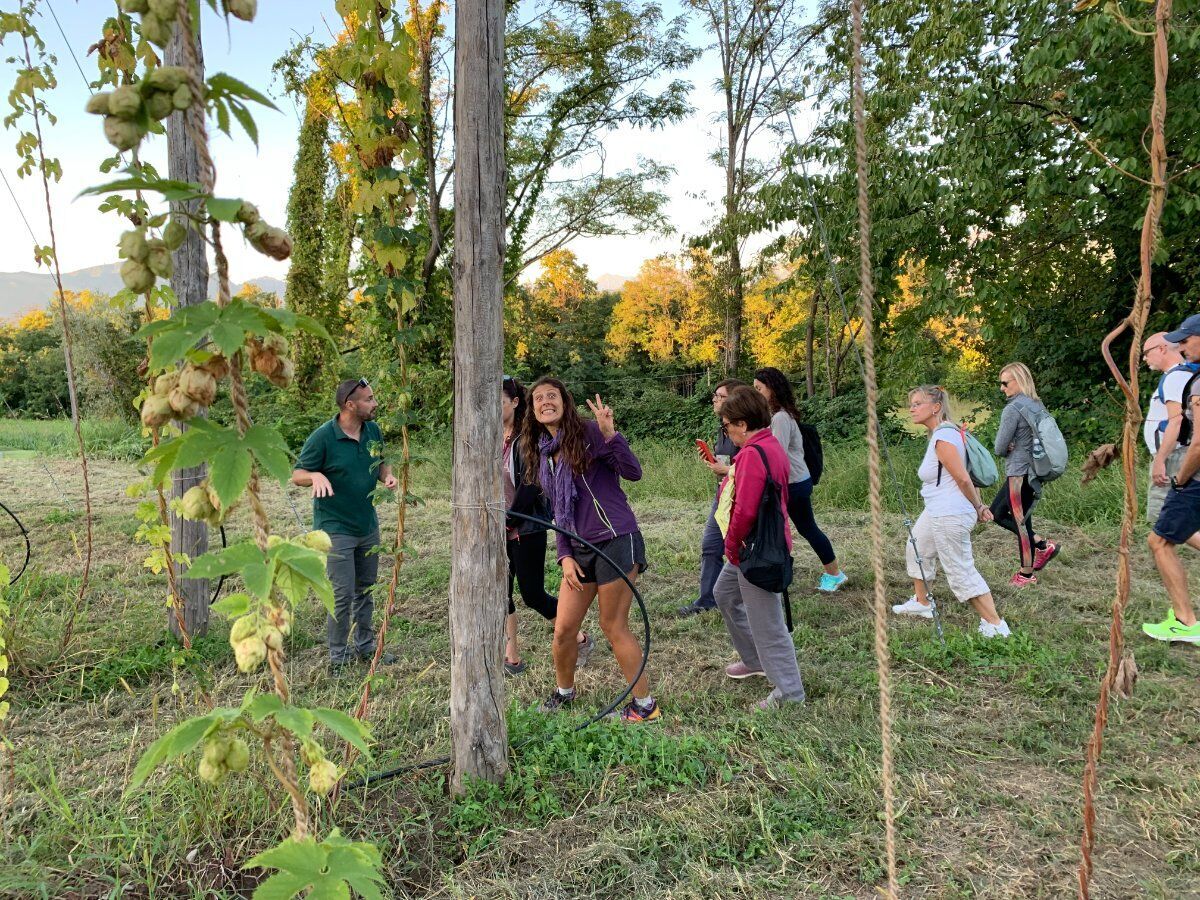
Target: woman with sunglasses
<point x="526" y="544"/>
<point x="1014" y="501"/>
<point x="579" y="465"/>
<point x="941" y="536"/>
<point x="777" y="391"/>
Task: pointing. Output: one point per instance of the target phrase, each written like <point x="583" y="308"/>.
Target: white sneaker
<point x="912" y="607"/>
<point x="988" y="630"/>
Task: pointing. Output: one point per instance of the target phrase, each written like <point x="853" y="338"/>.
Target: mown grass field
<point x="715" y="802"/>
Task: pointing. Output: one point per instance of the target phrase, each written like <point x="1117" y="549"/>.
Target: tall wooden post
<point x="478" y="601"/>
<point x="190" y="284"/>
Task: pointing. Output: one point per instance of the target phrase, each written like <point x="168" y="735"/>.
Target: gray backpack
<point x="1049" y="445"/>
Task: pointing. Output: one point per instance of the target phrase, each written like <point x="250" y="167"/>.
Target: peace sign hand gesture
<point x="604" y="417"/>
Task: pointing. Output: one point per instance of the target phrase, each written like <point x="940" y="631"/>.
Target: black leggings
<point x="799" y="507"/>
<point x="527" y="566"/>
<point x="1013" y="511"/>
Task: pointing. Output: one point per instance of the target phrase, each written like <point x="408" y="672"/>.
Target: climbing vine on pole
<point x="188" y="354"/>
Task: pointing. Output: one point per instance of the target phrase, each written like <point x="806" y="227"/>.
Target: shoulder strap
<point x="766" y="464"/>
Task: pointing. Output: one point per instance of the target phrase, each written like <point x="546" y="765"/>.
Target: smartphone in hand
<point x="705" y="453"/>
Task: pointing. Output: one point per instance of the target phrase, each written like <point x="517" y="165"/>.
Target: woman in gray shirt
<point x="1014" y="501"/>
<point x="777" y="391"/>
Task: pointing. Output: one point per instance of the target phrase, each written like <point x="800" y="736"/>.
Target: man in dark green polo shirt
<point x="343" y="461"/>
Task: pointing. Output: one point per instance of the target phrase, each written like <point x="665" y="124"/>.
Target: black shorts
<point x="627" y="551"/>
<point x="1180" y="516"/>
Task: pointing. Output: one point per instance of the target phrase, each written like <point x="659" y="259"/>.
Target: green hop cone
<point x="97" y="104"/>
<point x="167" y="78"/>
<point x="132" y="245"/>
<point x="165" y="383"/>
<point x="272" y="637"/>
<point x="244" y="627"/>
<point x="238" y="756"/>
<point x="181" y="97"/>
<point x="159" y="105"/>
<point x="248" y="213"/>
<point x="211" y="772"/>
<point x="242" y="9"/>
<point x="164" y="9"/>
<point x="194" y="505"/>
<point x="121" y="133"/>
<point x="198" y="384"/>
<point x="125" y="101"/>
<point x="140" y="7"/>
<point x="136" y="276"/>
<point x="157" y="31"/>
<point x="158" y="258"/>
<point x="323" y="776"/>
<point x="249" y="653"/>
<point x="317" y="540"/>
<point x="174" y="235"/>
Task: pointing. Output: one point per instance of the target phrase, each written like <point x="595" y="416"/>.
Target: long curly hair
<point x="781" y="391"/>
<point x="572" y="448"/>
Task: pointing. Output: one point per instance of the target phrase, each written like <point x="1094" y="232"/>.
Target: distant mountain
<point x="609" y="282"/>
<point x="23" y="291"/>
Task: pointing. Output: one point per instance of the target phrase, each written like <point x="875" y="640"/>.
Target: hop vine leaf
<point x="331" y="868"/>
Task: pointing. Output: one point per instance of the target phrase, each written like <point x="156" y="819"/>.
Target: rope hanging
<point x="1133" y="418"/>
<point x="867" y="297"/>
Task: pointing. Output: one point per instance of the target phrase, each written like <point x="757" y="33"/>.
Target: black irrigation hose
<point x="221" y="581"/>
<point x="377" y="777"/>
<point x="28" y="547"/>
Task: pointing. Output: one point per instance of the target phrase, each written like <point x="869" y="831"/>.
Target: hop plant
<point x="249" y="648"/>
<point x="242" y="9"/>
<point x="158" y="258"/>
<point x="323" y="777"/>
<point x="136" y="276"/>
<point x="132" y="245"/>
<point x="121" y="133"/>
<point x="199" y="384"/>
<point x="125" y="101"/>
<point x="174" y="235"/>
<point x="156" y="411"/>
<point x="269" y="241"/>
<point x="317" y="540"/>
<point x="223" y="754"/>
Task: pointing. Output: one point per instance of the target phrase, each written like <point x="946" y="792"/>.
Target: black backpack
<point x="766" y="562"/>
<point x="814" y="456"/>
<point x="1185" y="426"/>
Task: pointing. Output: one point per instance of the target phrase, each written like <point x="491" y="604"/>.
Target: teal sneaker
<point x="830" y="583"/>
<point x="1171" y="629"/>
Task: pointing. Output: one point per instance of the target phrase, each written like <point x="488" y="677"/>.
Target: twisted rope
<point x="1133" y="417"/>
<point x="867" y="296"/>
<point x="284" y="763"/>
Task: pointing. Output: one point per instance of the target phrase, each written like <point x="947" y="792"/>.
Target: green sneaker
<point x="1171" y="629"/>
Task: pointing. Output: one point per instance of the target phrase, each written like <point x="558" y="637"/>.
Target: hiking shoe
<point x="586" y="646"/>
<point x="511" y="668"/>
<point x="1171" y="629"/>
<point x="634" y="712"/>
<point x="695" y="608"/>
<point x="1041" y="557"/>
<point x="1019" y="580"/>
<point x="558" y="701"/>
<point x="387" y="658"/>
<point x="338" y="666"/>
<point x="830" y="583"/>
<point x="913" y="607"/>
<point x="999" y="630"/>
<point x="740" y="670"/>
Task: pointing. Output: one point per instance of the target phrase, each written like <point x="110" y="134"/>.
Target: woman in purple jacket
<point x="579" y="465"/>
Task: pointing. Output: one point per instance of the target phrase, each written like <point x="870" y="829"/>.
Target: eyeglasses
<point x="1149" y="350"/>
<point x="1003" y="383"/>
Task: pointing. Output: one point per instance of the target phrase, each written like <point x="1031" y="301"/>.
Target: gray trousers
<point x="353" y="571"/>
<point x="758" y="630"/>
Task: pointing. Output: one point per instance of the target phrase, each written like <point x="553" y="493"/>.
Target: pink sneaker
<point x="1041" y="557"/>
<point x="740" y="670"/>
<point x="1020" y="580"/>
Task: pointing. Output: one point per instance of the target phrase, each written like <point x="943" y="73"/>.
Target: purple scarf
<point x="559" y="484"/>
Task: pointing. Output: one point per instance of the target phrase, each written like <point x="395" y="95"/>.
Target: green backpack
<point x="981" y="465"/>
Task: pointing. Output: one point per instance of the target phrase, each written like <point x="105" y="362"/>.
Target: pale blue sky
<point x="87" y="238"/>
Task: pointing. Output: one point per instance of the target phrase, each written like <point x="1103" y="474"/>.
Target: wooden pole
<point x="478" y="601"/>
<point x="190" y="284"/>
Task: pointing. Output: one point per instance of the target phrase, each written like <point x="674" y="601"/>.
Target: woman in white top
<point x="942" y="534"/>
<point x="777" y="390"/>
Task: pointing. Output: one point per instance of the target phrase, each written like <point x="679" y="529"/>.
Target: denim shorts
<point x="1180" y="516"/>
<point x="627" y="551"/>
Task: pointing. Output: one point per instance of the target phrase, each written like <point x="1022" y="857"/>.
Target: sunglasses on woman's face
<point x="1003" y="384"/>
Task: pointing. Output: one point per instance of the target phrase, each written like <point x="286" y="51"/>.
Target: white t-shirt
<point x="946" y="498"/>
<point x="1173" y="384"/>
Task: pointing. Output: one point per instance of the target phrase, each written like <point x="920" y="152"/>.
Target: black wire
<point x="221" y="581"/>
<point x="28" y="548"/>
<point x="387" y="775"/>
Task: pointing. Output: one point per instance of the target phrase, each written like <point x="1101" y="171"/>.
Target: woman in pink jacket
<point x="754" y="617"/>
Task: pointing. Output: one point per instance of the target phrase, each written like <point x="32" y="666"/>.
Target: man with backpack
<point x="712" y="545"/>
<point x="1164" y="429"/>
<point x="1180" y="517"/>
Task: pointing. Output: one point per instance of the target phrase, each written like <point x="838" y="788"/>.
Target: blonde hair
<point x="934" y="393"/>
<point x="1023" y="377"/>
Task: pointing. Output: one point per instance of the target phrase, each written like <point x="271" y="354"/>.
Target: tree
<point x="667" y="313"/>
<point x="759" y="46"/>
<point x="577" y="71"/>
<point x="478" y="602"/>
